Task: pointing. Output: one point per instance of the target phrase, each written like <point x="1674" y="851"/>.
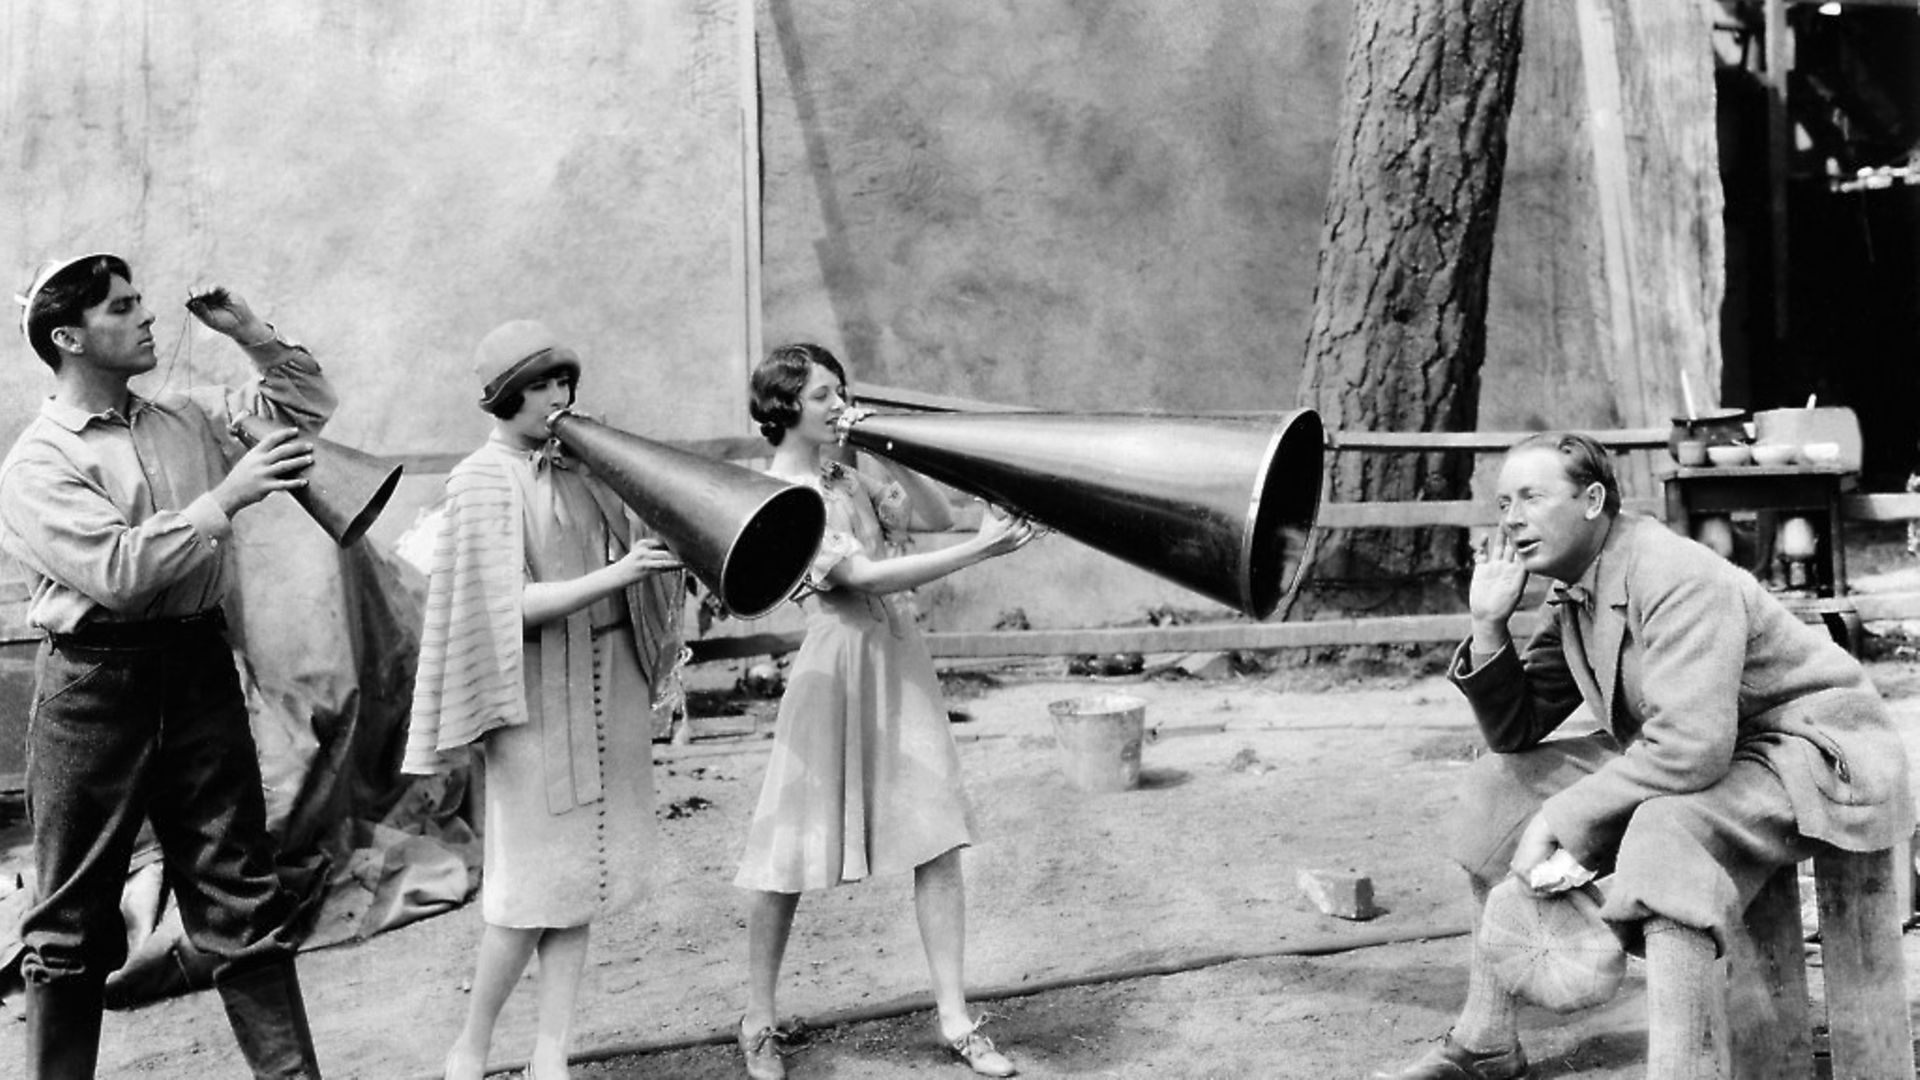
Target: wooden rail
<point x="1398" y="629"/>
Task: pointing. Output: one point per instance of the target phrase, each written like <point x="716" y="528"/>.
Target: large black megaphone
<point x="746" y="535"/>
<point x="346" y="488"/>
<point x="1222" y="504"/>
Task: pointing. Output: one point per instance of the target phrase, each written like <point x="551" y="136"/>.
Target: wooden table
<point x="1768" y="494"/>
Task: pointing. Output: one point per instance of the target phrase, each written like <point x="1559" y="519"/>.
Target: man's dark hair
<point x="509" y="405"/>
<point x="64" y="299"/>
<point x="1585" y="458"/>
<point x="780" y="380"/>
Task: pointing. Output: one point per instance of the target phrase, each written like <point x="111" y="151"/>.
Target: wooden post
<point x="1646" y="76"/>
<point x="1600" y="66"/>
<point x="1767" y="1006"/>
<point x="1903" y="880"/>
<point x="1869" y="1028"/>
<point x="750" y="250"/>
<point x="1779" y="53"/>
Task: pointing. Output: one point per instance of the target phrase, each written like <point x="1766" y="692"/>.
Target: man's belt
<point x="144" y="633"/>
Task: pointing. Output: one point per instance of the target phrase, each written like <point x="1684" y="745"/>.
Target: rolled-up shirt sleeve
<point x="287" y="386"/>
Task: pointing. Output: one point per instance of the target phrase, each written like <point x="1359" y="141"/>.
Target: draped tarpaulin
<point x="325" y="642"/>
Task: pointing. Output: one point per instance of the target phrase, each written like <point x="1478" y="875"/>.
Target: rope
<point x="1321" y="946"/>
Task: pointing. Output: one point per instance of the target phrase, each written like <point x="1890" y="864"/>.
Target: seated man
<point x="1737" y="739"/>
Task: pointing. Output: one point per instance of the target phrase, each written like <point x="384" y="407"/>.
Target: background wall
<point x="1077" y="206"/>
<point x="387" y="182"/>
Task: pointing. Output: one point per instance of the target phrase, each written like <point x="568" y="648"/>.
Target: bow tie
<point x="551" y="453"/>
<point x="1576" y="595"/>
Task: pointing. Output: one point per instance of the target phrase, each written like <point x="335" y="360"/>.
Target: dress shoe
<point x="761" y="1049"/>
<point x="1451" y="1061"/>
<point x="977" y="1051"/>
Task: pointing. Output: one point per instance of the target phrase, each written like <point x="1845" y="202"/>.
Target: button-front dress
<point x="569" y="832"/>
<point x="864" y="777"/>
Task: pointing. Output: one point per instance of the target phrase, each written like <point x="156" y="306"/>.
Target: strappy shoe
<point x="977" y="1051"/>
<point x="761" y="1051"/>
<point x="1451" y="1061"/>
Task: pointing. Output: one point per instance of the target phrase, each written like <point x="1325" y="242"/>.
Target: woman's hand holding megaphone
<point x="1002" y="533"/>
<point x="848" y="417"/>
<point x="646" y="556"/>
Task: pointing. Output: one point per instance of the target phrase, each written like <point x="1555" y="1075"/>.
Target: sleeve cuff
<point x="1468" y="662"/>
<point x="208" y="520"/>
<point x="272" y="352"/>
<point x="272" y="338"/>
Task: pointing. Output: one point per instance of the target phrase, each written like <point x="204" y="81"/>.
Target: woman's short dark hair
<point x="1585" y="458"/>
<point x="64" y="299"/>
<point x="780" y="380"/>
<point x="509" y="405"/>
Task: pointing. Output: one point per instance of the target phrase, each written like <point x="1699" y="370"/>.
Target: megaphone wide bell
<point x="1222" y="504"/>
<point x="346" y="488"/>
<point x="748" y="536"/>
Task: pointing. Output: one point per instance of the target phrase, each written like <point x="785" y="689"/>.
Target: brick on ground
<point x="1343" y="894"/>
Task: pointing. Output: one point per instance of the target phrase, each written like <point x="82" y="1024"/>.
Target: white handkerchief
<point x="1558" y="874"/>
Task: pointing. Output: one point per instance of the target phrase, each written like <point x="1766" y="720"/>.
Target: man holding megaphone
<point x="118" y="508"/>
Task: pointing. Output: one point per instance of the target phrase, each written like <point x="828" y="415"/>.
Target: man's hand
<point x="227" y="313"/>
<point x="1498" y="581"/>
<point x="268" y="467"/>
<point x="1494" y="592"/>
<point x="1537" y="845"/>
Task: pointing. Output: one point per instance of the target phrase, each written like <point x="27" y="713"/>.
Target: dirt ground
<point x="1160" y="931"/>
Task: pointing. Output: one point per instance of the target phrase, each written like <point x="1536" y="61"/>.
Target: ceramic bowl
<point x="1821" y="453"/>
<point x="1731" y="454"/>
<point x="1712" y="426"/>
<point x="1774" y="453"/>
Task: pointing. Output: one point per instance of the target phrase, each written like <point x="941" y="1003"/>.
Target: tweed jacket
<point x="1724" y="671"/>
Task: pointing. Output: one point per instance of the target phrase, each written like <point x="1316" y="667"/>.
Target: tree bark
<point x="1399" y="322"/>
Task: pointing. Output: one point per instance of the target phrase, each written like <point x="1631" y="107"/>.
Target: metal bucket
<point x="1099" y="740"/>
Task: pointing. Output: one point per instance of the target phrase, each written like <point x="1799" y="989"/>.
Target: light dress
<point x="864" y="777"/>
<point x="569" y="833"/>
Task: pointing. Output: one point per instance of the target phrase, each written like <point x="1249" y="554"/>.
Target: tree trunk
<point x="1399" y="323"/>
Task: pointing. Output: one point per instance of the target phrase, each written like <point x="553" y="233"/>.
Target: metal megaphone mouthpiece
<point x="346" y="488"/>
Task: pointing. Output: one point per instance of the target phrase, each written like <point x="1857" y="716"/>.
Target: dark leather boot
<point x="269" y="1021"/>
<point x="63" y="1028"/>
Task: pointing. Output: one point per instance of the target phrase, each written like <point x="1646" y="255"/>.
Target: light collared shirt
<point x="108" y="516"/>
